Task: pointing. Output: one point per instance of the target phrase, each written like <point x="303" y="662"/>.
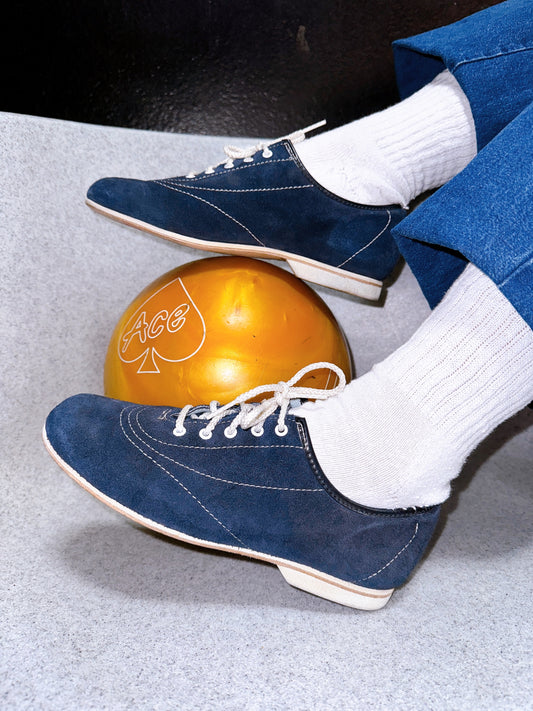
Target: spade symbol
<point x="173" y="333"/>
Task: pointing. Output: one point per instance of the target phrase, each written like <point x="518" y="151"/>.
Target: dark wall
<point x="211" y="66"/>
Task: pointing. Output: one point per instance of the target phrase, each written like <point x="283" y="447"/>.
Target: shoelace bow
<point x="247" y="154"/>
<point x="252" y="415"/>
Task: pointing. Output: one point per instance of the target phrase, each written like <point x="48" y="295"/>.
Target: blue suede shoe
<point x="241" y="478"/>
<point x="262" y="202"/>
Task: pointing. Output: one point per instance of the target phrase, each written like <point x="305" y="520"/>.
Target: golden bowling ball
<point x="214" y="328"/>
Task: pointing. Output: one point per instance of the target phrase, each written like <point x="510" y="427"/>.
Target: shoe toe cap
<point x="93" y="441"/>
<point x="76" y="430"/>
<point x="114" y="193"/>
<point x="87" y="436"/>
<point x="145" y="201"/>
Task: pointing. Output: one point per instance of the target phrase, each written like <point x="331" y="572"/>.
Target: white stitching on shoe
<point x="178" y="482"/>
<point x="248" y="190"/>
<point x="208" y="476"/>
<point x="396" y="556"/>
<point x="163" y="415"/>
<point x="196" y="197"/>
<point x="232" y="170"/>
<point x="369" y="243"/>
<point x="216" y="446"/>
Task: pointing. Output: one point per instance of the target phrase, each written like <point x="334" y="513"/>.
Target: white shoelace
<point x="252" y="415"/>
<point x="247" y="154"/>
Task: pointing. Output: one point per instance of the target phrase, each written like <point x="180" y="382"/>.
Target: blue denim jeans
<point x="485" y="214"/>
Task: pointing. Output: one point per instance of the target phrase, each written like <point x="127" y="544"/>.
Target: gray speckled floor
<point x="100" y="614"/>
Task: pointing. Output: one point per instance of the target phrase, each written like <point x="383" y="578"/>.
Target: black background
<point x="210" y="66"/>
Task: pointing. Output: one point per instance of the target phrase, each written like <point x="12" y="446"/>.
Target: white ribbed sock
<point x="398" y="435"/>
<point x="392" y="156"/>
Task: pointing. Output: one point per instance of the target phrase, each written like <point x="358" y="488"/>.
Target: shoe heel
<point x="337" y="590"/>
<point x="339" y="279"/>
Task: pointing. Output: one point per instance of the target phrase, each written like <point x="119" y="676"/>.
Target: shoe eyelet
<point x="257" y="430"/>
<point x="267" y="153"/>
<point x="230" y="432"/>
<point x="209" y="171"/>
<point x="228" y="164"/>
<point x="179" y="432"/>
<point x="281" y="431"/>
<point x="248" y="159"/>
<point x="205" y="433"/>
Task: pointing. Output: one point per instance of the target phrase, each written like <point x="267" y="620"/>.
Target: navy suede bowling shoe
<point x="241" y="478"/>
<point x="262" y="202"/>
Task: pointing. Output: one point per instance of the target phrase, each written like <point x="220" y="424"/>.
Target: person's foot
<point x="325" y="205"/>
<point x="395" y="155"/>
<point x="408" y="425"/>
<point x="241" y="478"/>
<point x="262" y="202"/>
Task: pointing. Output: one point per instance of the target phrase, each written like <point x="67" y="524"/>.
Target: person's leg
<point x="265" y="494"/>
<point x="482" y="216"/>
<point x="398" y="435"/>
<point x="266" y="202"/>
<point x="490" y="55"/>
<point x="429" y="137"/>
<point x="408" y="426"/>
<point x="420" y="413"/>
<point x="262" y="481"/>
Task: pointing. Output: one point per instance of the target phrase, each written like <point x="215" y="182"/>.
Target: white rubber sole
<point x="304" y="268"/>
<point x="299" y="576"/>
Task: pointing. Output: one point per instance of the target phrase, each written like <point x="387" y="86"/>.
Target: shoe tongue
<point x="294" y="403"/>
<point x="199" y="412"/>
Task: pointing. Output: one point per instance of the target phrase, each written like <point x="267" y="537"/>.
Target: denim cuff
<point x="485" y="216"/>
<point x="490" y="53"/>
